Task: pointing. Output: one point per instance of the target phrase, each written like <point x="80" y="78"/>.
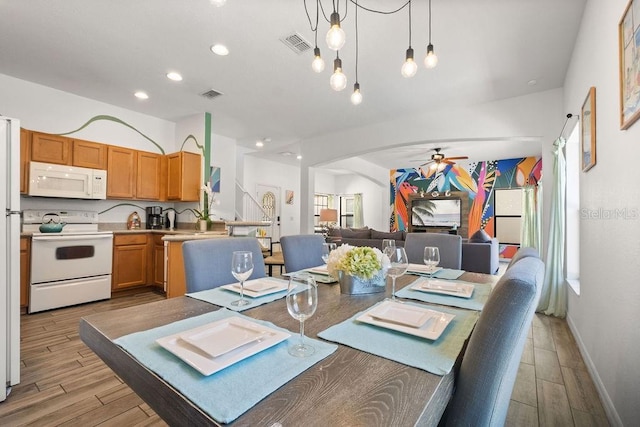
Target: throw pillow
<point x="353" y="234"/>
<point x="375" y="234"/>
<point x="480" y="236"/>
<point x="335" y="232"/>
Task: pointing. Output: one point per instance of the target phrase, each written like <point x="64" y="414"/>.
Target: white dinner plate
<point x="321" y="269"/>
<point x="422" y="269"/>
<point x="194" y="346"/>
<point x="259" y="287"/>
<point x="401" y="314"/>
<point x="431" y="328"/>
<point x="319" y="276"/>
<point x="462" y="290"/>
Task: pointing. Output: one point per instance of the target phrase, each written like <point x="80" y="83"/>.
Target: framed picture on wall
<point x="629" y="51"/>
<point x="588" y="130"/>
<point x="215" y="179"/>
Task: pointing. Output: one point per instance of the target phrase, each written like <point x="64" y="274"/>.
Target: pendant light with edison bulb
<point x="335" y="36"/>
<point x="338" y="80"/>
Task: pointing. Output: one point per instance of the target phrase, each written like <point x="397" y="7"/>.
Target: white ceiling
<point x="106" y="50"/>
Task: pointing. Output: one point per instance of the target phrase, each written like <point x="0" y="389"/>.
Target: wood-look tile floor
<point x="63" y="383"/>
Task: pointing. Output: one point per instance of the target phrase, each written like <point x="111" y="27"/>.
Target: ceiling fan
<point x="438" y="158"/>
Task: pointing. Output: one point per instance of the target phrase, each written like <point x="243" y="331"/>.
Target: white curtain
<point x="553" y="300"/>
<point x="358" y="215"/>
<point x="531" y="218"/>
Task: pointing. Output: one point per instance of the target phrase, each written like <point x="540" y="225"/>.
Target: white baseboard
<point x="609" y="408"/>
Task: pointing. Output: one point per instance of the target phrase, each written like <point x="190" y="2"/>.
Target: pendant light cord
<point x="409" y="23"/>
<point x="429" y="21"/>
<point x="356" y="3"/>
<point x="336" y="5"/>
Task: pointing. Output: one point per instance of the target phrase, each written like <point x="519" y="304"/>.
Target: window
<point x="508" y="215"/>
<point x="346" y="211"/>
<point x="320" y="201"/>
<point x="572" y="217"/>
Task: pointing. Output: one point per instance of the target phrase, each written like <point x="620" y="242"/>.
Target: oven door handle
<point x="74" y="237"/>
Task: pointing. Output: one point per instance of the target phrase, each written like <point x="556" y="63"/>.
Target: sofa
<point x="364" y="236"/>
<point x="480" y="252"/>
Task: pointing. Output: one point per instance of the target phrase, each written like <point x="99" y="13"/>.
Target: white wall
<point x="49" y="110"/>
<point x="538" y="116"/>
<point x="286" y="177"/>
<point x="606" y="314"/>
<point x="375" y="200"/>
<point x="325" y="182"/>
<point x="223" y="155"/>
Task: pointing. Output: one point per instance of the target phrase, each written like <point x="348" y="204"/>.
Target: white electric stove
<point x="72" y="266"/>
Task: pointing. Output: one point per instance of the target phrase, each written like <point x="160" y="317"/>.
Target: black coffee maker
<point x="154" y="217"/>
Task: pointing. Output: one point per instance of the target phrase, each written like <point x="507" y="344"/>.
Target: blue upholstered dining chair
<point x="490" y="363"/>
<point x="523" y="253"/>
<point x="207" y="262"/>
<point x="450" y="248"/>
<point x="301" y="251"/>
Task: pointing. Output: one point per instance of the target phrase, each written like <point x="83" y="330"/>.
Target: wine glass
<point x="326" y="250"/>
<point x="399" y="265"/>
<point x="388" y="245"/>
<point x="431" y="257"/>
<point x="302" y="301"/>
<point x="241" y="268"/>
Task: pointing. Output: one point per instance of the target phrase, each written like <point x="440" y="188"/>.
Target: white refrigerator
<point x="9" y="255"/>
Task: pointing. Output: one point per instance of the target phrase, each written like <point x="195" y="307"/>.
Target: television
<point x="436" y="213"/>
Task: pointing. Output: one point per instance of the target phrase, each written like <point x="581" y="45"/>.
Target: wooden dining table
<point x="348" y="388"/>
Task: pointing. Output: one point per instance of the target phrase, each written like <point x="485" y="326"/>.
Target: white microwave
<point x="50" y="180"/>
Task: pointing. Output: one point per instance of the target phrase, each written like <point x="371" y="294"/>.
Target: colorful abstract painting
<point x="478" y="179"/>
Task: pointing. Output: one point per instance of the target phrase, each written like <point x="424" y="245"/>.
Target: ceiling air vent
<point x="210" y="94"/>
<point x="296" y="43"/>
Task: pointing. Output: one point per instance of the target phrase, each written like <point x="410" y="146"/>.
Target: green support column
<point x="207" y="145"/>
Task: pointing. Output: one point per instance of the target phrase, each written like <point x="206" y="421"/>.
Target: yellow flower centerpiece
<point x="359" y="269"/>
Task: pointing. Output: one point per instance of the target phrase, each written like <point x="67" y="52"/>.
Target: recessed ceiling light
<point x="218" y="3"/>
<point x="259" y="144"/>
<point x="141" y="95"/>
<point x="532" y="82"/>
<point x="220" y="49"/>
<point x="174" y="76"/>
<point x="299" y="157"/>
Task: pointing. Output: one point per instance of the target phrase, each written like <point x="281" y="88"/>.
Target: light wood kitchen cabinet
<point x="49" y="148"/>
<point x="121" y="172"/>
<point x="25" y="270"/>
<point x="148" y="176"/>
<point x="89" y="154"/>
<point x="158" y="261"/>
<point x="184" y="176"/>
<point x="176" y="280"/>
<point x="130" y="261"/>
<point x="25" y="141"/>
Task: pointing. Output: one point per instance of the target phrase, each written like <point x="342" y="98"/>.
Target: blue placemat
<point x="229" y="393"/>
<point x="224" y="297"/>
<point x="436" y="356"/>
<point x="479" y="297"/>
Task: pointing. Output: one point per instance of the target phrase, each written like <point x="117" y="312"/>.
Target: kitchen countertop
<point x="179" y="234"/>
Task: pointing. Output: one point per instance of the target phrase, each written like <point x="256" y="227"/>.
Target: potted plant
<point x="208" y="199"/>
<point x="359" y="269"/>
